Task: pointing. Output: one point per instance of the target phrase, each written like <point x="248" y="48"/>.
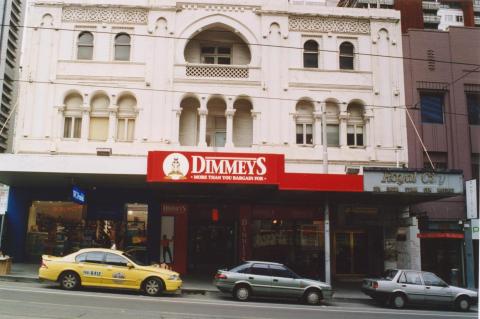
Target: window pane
<point x="310" y="46"/>
<point x="130" y="129"/>
<point x="220" y="138"/>
<point x="220" y="122"/>
<point x="121" y="130"/>
<point x="279" y="271"/>
<point x="67" y="128"/>
<point x="309" y="138"/>
<point x="223" y="60"/>
<point x="85" y="38"/>
<point x="122" y="52"/>
<point x="432" y="108"/>
<point x="350" y="139"/>
<point x="309" y="128"/>
<point x="310" y="60"/>
<point x="346" y="63"/>
<point x="432" y="280"/>
<point x="209" y="60"/>
<point x="81" y="258"/>
<point x="333" y="135"/>
<point x="260" y="269"/>
<point x="350" y="129"/>
<point x="413" y="278"/>
<point x="346" y="48"/>
<point x="77" y="127"/>
<point x="94" y="257"/>
<point x="473" y="105"/>
<point x="299" y="135"/>
<point x="98" y="128"/>
<point x="208" y="50"/>
<point x="299" y="128"/>
<point x="224" y="50"/>
<point x="85" y="52"/>
<point x="359" y="139"/>
<point x="122" y="39"/>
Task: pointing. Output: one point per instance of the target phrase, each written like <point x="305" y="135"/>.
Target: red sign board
<point x="223" y="168"/>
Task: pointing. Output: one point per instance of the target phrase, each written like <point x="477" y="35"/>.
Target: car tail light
<point x="375" y="285"/>
<point x="220" y="276"/>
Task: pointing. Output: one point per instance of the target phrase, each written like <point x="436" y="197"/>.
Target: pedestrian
<point x="166" y="249"/>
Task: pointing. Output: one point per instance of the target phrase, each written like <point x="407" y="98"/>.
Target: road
<point x="46" y="301"/>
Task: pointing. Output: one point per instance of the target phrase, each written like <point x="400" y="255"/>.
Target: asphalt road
<point x="21" y="300"/>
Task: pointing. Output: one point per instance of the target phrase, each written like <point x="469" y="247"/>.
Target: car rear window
<point x="243" y="268"/>
<point x="389" y="274"/>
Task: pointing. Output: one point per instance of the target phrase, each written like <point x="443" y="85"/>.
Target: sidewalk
<point x="344" y="291"/>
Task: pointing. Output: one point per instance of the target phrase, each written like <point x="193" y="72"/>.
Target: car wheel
<point x="242" y="293"/>
<point x="313" y="297"/>
<point x="153" y="286"/>
<point x="463" y="303"/>
<point x="69" y="280"/>
<point x="399" y="301"/>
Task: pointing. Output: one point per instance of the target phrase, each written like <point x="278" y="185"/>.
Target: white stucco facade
<point x="257" y="102"/>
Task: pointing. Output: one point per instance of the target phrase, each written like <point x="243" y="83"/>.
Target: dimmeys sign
<point x="228" y="168"/>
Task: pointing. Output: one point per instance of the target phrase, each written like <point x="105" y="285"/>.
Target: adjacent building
<point x="223" y="130"/>
<point x="11" y="30"/>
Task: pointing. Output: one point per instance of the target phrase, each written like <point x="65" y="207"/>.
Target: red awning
<point x="441" y="235"/>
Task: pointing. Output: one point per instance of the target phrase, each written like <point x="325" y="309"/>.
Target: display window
<point x="136" y="235"/>
<point x="60" y="228"/>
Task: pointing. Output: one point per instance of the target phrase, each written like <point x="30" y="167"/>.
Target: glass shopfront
<point x="294" y="237"/>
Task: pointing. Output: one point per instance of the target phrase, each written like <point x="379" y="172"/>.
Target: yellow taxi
<point x="107" y="268"/>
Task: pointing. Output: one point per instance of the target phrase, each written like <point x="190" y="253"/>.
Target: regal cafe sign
<point x="213" y="167"/>
<point x="411" y="181"/>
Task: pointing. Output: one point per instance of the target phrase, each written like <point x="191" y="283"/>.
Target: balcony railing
<point x="426" y="5"/>
<point x="217" y="71"/>
<point x="377" y="2"/>
<point x="431" y="18"/>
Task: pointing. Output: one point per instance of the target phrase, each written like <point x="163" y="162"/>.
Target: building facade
<point x="11" y="30"/>
<point x="256" y="118"/>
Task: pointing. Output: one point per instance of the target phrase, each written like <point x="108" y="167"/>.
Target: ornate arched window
<point x="355" y="125"/>
<point x="333" y="124"/>
<point x="98" y="130"/>
<point x="122" y="47"/>
<point x="85" y="46"/>
<point x="126" y="117"/>
<point x="310" y="54"/>
<point x="216" y="134"/>
<point x="304" y="121"/>
<point x="72" y="125"/>
<point x="346" y="57"/>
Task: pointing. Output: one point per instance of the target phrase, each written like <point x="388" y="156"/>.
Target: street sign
<point x="471" y="194"/>
<point x="4" y="190"/>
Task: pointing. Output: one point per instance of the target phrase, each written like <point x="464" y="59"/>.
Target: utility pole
<point x="472" y="213"/>
<point x="326" y="217"/>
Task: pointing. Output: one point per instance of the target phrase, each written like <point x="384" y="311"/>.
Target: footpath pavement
<point x="344" y="291"/>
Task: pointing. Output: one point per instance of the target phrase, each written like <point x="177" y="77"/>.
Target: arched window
<point x="85" y="46"/>
<point x="98" y="130"/>
<point x="72" y="116"/>
<point x="304" y="123"/>
<point x="355" y="125"/>
<point x="122" y="47"/>
<point x="216" y="134"/>
<point x="189" y="122"/>
<point x="310" y="54"/>
<point x="126" y="118"/>
<point x="333" y="124"/>
<point x="242" y="124"/>
<point x="346" y="56"/>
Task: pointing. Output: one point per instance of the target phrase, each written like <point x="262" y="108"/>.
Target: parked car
<point x="401" y="287"/>
<point x="108" y="268"/>
<point x="268" y="279"/>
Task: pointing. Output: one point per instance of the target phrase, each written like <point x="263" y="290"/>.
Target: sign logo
<point x="175" y="166"/>
<point x="78" y="195"/>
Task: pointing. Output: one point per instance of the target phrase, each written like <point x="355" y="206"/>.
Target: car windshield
<point x="135" y="260"/>
<point x="389" y="274"/>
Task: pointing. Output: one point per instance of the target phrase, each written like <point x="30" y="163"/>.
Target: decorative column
<point x="202" y="112"/>
<point x="85" y="119"/>
<point x="59" y="124"/>
<point x="343" y="117"/>
<point x="317" y="129"/>
<point x="229" y="112"/>
<point x="112" y="121"/>
<point x="369" y="137"/>
<point x="175" y="137"/>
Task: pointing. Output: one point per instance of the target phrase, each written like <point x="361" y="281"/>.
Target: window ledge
<point x="357" y="147"/>
<point x="306" y="145"/>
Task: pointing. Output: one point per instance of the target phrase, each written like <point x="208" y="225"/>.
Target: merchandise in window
<point x="432" y="107"/>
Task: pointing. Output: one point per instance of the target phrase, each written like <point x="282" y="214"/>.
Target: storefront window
<point x="299" y="244"/>
<point x="136" y="236"/>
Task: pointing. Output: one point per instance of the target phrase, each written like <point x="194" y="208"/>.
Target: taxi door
<point x="91" y="268"/>
<point x="118" y="274"/>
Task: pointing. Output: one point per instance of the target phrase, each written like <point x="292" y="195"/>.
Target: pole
<point x="324" y="138"/>
<point x="2" y="216"/>
<point x="326" y="223"/>
<point x="469" y="256"/>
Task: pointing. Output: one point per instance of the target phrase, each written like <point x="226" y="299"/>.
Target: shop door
<point x="211" y="246"/>
<point x="351" y="253"/>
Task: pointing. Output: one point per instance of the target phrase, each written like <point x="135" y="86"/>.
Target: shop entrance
<point x="351" y="253"/>
<point x="211" y="239"/>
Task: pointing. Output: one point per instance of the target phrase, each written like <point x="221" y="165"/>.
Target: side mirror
<point x="130" y="265"/>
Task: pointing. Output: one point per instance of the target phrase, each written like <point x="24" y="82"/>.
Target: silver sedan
<point x="400" y="287"/>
